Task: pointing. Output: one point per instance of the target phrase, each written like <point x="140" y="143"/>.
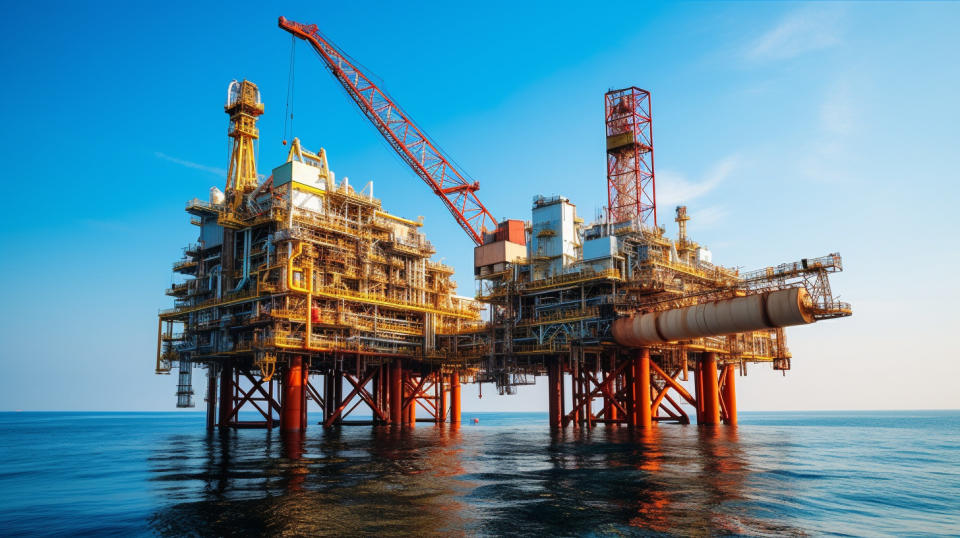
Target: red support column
<point x="455" y="398"/>
<point x="292" y="414"/>
<point x="412" y="405"/>
<point x="711" y="397"/>
<point x="575" y="391"/>
<point x="305" y="380"/>
<point x="337" y="391"/>
<point x="729" y="394"/>
<point x="589" y="408"/>
<point x="698" y="389"/>
<point x="629" y="391"/>
<point x="644" y="414"/>
<point x="563" y="390"/>
<point x="226" y="394"/>
<point x="442" y="400"/>
<point x="396" y="393"/>
<point x="609" y="404"/>
<point x="211" y="395"/>
<point x="375" y="391"/>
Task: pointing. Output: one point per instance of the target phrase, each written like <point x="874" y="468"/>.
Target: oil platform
<point x="301" y="288"/>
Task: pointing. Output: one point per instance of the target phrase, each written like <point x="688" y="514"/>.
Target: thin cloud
<point x="708" y="216"/>
<point x="675" y="189"/>
<point x="801" y="31"/>
<point x="827" y="157"/>
<point x="190" y="164"/>
<point x="837" y="110"/>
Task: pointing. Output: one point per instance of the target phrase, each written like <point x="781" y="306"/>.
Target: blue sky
<point x="790" y="131"/>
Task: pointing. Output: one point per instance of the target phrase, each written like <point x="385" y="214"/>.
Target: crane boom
<point x="457" y="193"/>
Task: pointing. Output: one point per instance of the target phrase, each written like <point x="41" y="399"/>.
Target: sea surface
<point x="845" y="473"/>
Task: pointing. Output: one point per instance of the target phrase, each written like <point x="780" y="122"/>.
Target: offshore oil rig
<point x="303" y="288"/>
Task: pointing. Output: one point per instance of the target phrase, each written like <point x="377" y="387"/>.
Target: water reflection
<point x="437" y="480"/>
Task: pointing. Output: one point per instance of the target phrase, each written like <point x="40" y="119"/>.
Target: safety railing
<point x="570" y="278"/>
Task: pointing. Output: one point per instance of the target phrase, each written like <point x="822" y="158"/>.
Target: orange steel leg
<point x="396" y="393"/>
<point x="611" y="407"/>
<point x="710" y="392"/>
<point x="305" y="380"/>
<point x="610" y="403"/>
<point x="698" y="388"/>
<point x="729" y="394"/>
<point x="405" y="391"/>
<point x="412" y="406"/>
<point x="575" y="391"/>
<point x="442" y="400"/>
<point x="644" y="415"/>
<point x="226" y="394"/>
<point x="630" y="392"/>
<point x="455" y="398"/>
<point x="291" y="417"/>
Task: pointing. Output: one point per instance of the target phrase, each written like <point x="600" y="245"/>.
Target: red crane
<point x="458" y="194"/>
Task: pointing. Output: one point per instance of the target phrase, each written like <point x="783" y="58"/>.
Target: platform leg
<point x="226" y="394"/>
<point x="211" y="395"/>
<point x="396" y="393"/>
<point x="729" y="394"/>
<point x="455" y="398"/>
<point x="644" y="414"/>
<point x="710" y="392"/>
<point x="292" y="403"/>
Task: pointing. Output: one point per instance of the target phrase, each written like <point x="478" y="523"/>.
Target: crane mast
<point x="457" y="193"/>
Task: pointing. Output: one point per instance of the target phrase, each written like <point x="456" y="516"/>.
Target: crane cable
<point x="288" y="114"/>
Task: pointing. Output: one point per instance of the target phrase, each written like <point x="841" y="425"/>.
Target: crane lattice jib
<point x="458" y="194"/>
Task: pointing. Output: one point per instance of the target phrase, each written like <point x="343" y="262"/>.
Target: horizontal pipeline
<point x="769" y="310"/>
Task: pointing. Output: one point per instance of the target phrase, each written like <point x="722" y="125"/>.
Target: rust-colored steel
<point x="396" y="393"/>
<point x="609" y="401"/>
<point x="645" y="415"/>
<point x="588" y="394"/>
<point x="291" y="417"/>
<point x="629" y="393"/>
<point x="575" y="391"/>
<point x="455" y="398"/>
<point x="441" y="398"/>
<point x="710" y="392"/>
<point x="729" y="394"/>
<point x="698" y="389"/>
<point x="555" y="393"/>
<point x="411" y="404"/>
<point x="304" y="381"/>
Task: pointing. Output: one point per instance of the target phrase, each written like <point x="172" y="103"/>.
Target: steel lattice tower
<point x="631" y="190"/>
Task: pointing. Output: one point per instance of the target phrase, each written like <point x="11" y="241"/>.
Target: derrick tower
<point x="244" y="107"/>
<point x="631" y="190"/>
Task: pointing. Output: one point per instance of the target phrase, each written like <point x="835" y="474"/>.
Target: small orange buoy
<point x="284" y="142"/>
<point x="476" y="421"/>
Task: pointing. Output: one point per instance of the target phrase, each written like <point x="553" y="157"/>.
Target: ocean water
<point x="846" y="473"/>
